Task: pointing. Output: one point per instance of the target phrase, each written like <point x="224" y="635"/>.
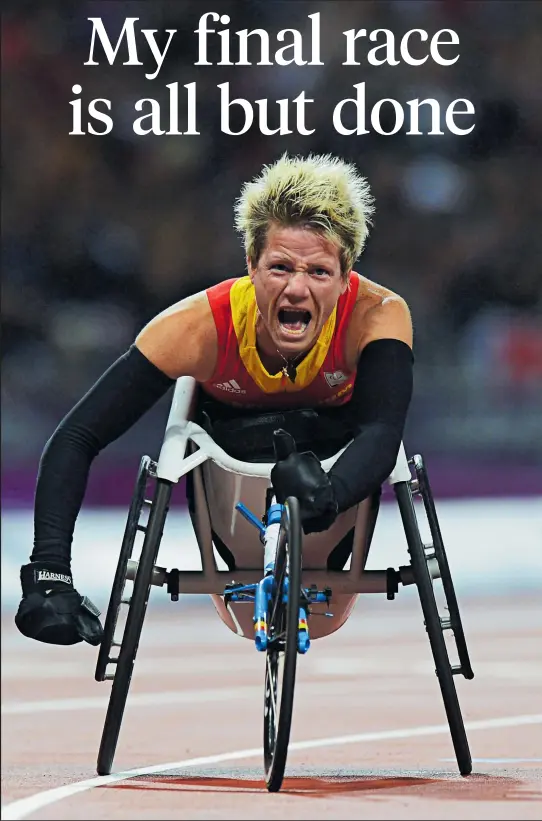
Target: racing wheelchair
<point x="233" y="512"/>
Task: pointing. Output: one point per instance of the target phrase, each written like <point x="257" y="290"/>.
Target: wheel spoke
<point x="272" y="688"/>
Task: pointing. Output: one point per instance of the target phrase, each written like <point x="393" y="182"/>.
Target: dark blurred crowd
<point x="100" y="233"/>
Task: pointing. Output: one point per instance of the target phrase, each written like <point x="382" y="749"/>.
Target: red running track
<point x="368" y="692"/>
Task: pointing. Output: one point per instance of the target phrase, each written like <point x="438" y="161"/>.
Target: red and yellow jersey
<point x="240" y="378"/>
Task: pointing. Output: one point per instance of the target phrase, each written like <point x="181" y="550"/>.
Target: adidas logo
<point x="231" y="386"/>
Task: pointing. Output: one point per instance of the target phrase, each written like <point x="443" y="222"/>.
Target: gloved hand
<point x="302" y="475"/>
<point x="52" y="610"/>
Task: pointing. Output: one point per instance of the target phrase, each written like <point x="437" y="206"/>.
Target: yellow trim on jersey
<point x="244" y="312"/>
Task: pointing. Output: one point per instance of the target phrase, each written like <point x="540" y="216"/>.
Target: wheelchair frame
<point x="428" y="562"/>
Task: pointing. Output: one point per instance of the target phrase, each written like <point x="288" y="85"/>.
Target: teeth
<point x="294" y="328"/>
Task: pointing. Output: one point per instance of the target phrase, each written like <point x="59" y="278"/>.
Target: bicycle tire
<point x="283" y="626"/>
<point x="132" y="631"/>
<point x="443" y="669"/>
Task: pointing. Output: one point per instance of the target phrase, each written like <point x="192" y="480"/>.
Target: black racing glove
<point x="302" y="475"/>
<point x="52" y="610"/>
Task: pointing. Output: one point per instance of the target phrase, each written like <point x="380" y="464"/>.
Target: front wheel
<point x="281" y="657"/>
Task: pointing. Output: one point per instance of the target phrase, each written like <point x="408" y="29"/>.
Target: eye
<point x="280" y="266"/>
<point x="320" y="272"/>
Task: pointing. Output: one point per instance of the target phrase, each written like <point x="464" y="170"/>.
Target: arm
<point x="181" y="340"/>
<point x="379" y="404"/>
<point x="125" y="392"/>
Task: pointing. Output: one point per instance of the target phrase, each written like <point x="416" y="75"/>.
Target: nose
<point x="298" y="286"/>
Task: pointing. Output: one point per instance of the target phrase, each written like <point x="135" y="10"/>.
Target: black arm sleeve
<point x="379" y="404"/>
<point x="127" y="390"/>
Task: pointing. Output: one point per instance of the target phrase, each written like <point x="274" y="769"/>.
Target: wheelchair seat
<point x="213" y="494"/>
<point x="248" y="436"/>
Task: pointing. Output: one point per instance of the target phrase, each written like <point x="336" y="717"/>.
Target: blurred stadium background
<point x="100" y="233"/>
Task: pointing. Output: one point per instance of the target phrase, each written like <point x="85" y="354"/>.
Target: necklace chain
<point x="289" y="368"/>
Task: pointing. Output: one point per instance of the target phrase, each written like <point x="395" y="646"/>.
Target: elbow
<point x="70" y="437"/>
<point x="387" y="440"/>
<point x="390" y="453"/>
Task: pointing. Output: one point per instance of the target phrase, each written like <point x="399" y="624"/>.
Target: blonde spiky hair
<point x="319" y="191"/>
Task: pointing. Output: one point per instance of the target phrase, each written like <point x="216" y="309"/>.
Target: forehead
<point x="297" y="241"/>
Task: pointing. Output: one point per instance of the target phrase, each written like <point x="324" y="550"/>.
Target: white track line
<point x="26" y="806"/>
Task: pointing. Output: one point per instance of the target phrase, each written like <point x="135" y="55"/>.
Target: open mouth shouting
<point x="293" y="322"/>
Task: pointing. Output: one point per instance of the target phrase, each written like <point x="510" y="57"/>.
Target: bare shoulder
<point x="182" y="340"/>
<point x="380" y="313"/>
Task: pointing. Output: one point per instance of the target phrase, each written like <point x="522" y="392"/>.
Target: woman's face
<point x="298" y="281"/>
